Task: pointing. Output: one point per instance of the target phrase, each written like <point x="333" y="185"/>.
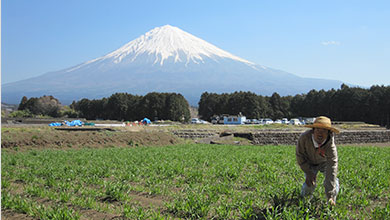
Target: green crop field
<point x="189" y="181"/>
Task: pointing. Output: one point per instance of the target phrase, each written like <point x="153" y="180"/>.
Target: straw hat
<point x="323" y="122"/>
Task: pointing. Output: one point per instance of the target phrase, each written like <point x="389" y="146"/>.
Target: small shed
<point x="234" y="119"/>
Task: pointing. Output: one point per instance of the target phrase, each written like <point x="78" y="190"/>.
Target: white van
<point x="195" y="121"/>
<point x="285" y="121"/>
<point x="267" y="121"/>
<point x="295" y="121"/>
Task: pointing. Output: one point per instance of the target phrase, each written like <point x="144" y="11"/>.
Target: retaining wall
<point x="290" y="138"/>
<point x="195" y="134"/>
<point x="345" y="137"/>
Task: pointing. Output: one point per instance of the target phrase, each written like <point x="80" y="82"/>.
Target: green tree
<point x="49" y="106"/>
<point x="133" y="112"/>
<point x="97" y="108"/>
<point x="209" y="105"/>
<point x="45" y="105"/>
<point x="248" y="104"/>
<point x="285" y="103"/>
<point x="152" y="105"/>
<point x="296" y="105"/>
<point x="379" y="105"/>
<point x="83" y="107"/>
<point x="276" y="106"/>
<point x="23" y="102"/>
<point x="117" y="106"/>
<point x="177" y="108"/>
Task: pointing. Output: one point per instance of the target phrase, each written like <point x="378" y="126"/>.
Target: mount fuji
<point x="165" y="59"/>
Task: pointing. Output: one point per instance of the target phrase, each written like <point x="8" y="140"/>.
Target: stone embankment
<point x="361" y="137"/>
<point x="291" y="137"/>
<point x="345" y="137"/>
<point x="195" y="134"/>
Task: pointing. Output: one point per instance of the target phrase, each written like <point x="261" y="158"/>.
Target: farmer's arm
<point x="331" y="171"/>
<point x="300" y="154"/>
<point x="303" y="162"/>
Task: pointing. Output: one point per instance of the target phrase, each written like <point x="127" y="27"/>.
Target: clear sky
<point x="343" y="40"/>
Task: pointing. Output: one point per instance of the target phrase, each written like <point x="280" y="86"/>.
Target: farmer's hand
<point x="331" y="202"/>
<point x="310" y="179"/>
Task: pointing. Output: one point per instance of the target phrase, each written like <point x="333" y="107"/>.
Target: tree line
<point x="124" y="106"/>
<point x="345" y="104"/>
<point x="119" y="106"/>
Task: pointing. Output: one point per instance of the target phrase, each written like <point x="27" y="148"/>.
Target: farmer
<point x="316" y="151"/>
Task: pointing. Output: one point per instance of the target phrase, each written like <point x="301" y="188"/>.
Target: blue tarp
<point x="67" y="123"/>
<point x="54" y="124"/>
<point x="146" y="121"/>
<point x="74" y="123"/>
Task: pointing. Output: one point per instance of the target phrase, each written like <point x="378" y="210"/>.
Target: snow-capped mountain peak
<point x="165" y="59"/>
<point x="169" y="41"/>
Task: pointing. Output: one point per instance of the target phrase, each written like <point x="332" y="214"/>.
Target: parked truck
<point x="217" y="119"/>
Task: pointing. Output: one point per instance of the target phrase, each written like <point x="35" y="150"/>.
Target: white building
<point x="234" y="119"/>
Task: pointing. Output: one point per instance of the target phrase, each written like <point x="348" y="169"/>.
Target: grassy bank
<point x="188" y="182"/>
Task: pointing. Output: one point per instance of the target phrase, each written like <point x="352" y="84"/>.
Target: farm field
<point x="187" y="181"/>
<point x="27" y="137"/>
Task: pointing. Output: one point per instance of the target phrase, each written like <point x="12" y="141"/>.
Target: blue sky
<point x="342" y="40"/>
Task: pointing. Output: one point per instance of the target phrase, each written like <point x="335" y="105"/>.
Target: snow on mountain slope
<point x="168" y="41"/>
<point x="162" y="43"/>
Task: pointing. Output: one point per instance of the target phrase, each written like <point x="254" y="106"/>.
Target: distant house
<point x="234" y="119"/>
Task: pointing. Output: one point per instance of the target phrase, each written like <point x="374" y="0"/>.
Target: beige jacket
<point x="307" y="156"/>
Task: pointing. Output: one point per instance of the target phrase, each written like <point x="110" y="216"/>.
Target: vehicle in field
<point x="252" y="121"/>
<point x="216" y="119"/>
<point x="267" y="121"/>
<point x="198" y="121"/>
<point x="308" y="120"/>
<point x="295" y="121"/>
<point x="195" y="120"/>
<point x="278" y="121"/>
<point x="255" y="121"/>
<point x="285" y="121"/>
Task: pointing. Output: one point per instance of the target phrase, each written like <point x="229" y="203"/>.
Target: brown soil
<point x="10" y="215"/>
<point x="25" y="138"/>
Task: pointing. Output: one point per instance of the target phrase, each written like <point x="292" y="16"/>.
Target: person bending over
<point x="317" y="152"/>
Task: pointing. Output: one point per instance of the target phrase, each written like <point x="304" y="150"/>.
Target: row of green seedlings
<point x="77" y="196"/>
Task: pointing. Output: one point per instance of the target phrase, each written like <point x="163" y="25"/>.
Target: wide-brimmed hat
<point x="323" y="122"/>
